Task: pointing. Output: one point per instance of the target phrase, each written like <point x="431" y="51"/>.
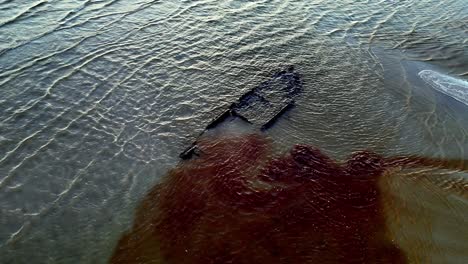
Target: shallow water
<point x="98" y="98"/>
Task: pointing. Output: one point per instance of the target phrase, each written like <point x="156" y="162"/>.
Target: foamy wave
<point x="453" y="87"/>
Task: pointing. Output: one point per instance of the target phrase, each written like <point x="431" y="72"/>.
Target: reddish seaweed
<point x="235" y="204"/>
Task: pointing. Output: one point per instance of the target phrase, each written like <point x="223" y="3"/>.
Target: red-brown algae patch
<point x="306" y="209"/>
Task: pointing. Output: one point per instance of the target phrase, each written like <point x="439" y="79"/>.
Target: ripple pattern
<point x="97" y="98"/>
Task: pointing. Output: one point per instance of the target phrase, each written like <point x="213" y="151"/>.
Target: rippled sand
<point x="98" y="98"/>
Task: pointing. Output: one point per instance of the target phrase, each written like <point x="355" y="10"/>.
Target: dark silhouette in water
<point x="262" y="106"/>
<point x="236" y="204"/>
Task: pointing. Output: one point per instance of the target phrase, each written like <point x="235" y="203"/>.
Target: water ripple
<point x="98" y="98"/>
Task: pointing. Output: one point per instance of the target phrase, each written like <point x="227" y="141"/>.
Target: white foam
<point x="453" y="87"/>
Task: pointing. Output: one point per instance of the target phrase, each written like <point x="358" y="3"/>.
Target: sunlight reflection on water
<point x="98" y="98"/>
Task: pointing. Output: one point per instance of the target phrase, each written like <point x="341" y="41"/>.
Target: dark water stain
<point x="235" y="204"/>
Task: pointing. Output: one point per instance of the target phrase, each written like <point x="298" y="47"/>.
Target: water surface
<point x="98" y="98"/>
